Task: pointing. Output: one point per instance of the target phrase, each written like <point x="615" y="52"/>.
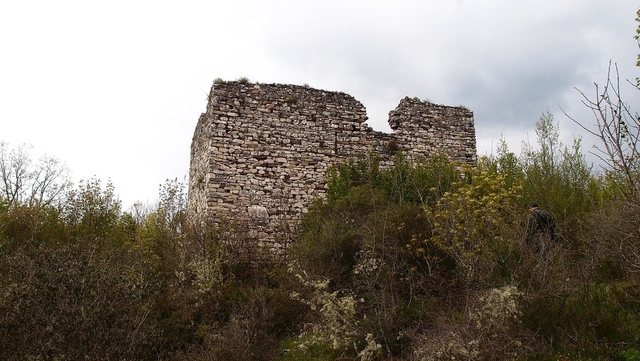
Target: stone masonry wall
<point x="260" y="152"/>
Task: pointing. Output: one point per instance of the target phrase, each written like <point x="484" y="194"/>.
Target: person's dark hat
<point x="533" y="204"/>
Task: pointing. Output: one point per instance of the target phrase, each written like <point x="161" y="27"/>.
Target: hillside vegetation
<point x="426" y="260"/>
<point x="422" y="261"/>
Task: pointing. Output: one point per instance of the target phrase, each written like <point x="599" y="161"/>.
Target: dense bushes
<point x="419" y="261"/>
<point x="405" y="259"/>
<point x="70" y="302"/>
<point x="424" y="270"/>
<point x="72" y="287"/>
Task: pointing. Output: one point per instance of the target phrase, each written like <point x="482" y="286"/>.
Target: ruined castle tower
<point x="260" y="152"/>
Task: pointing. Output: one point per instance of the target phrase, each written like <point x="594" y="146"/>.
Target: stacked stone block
<point x="260" y="152"/>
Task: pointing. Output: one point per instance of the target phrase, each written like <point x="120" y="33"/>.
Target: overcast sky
<point x="114" y="88"/>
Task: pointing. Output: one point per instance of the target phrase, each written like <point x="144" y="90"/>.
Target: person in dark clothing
<point x="541" y="229"/>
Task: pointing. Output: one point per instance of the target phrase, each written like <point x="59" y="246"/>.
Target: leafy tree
<point x="92" y="212"/>
<point x="422" y="183"/>
<point x="474" y="223"/>
<point x="75" y="284"/>
<point x="506" y="164"/>
<point x="31" y="227"/>
<point x="558" y="177"/>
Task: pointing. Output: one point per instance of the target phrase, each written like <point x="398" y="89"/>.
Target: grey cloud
<point x="504" y="77"/>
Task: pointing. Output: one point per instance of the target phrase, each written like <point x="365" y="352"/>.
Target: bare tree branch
<point x="22" y="182"/>
<point x="618" y="129"/>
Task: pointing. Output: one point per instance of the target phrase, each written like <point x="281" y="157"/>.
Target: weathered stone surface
<point x="258" y="212"/>
<point x="260" y="152"/>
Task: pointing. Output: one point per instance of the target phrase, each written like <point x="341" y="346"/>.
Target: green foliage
<point x="411" y="261"/>
<point x="251" y="326"/>
<point x="350" y="174"/>
<point x="404" y="182"/>
<point x="416" y="241"/>
<point x="297" y="349"/>
<point x="487" y="331"/>
<point x="91" y="212"/>
<point x="422" y="183"/>
<point x="473" y="223"/>
<point x="631" y="354"/>
<point x="367" y="274"/>
<point x="559" y="178"/>
<point x="71" y="302"/>
<point x="336" y="326"/>
<point x="507" y="164"/>
<point x="24" y="226"/>
<point x="414" y="260"/>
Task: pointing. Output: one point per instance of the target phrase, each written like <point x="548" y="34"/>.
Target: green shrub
<point x="73" y="302"/>
<point x="630" y="354"/>
<point x="296" y="349"/>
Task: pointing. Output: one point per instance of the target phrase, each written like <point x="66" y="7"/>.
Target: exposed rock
<point x="258" y="212"/>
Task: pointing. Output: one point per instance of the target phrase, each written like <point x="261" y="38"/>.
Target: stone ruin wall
<point x="260" y="152"/>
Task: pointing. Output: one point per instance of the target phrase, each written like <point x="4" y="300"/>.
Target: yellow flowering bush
<point x="476" y="217"/>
